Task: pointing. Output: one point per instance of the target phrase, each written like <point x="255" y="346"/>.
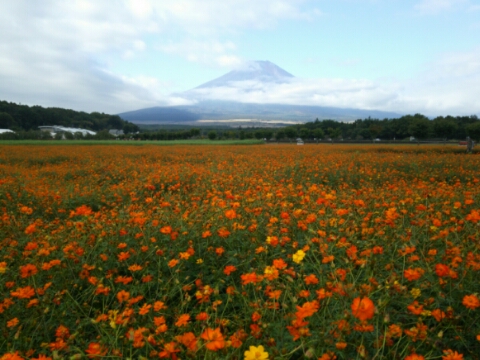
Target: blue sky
<point x="112" y="56"/>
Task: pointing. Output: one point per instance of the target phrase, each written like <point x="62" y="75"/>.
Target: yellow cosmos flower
<point x="415" y="292"/>
<point x="298" y="256"/>
<point x="256" y="353"/>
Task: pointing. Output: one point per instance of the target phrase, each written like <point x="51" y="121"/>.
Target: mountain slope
<point x="229" y="110"/>
<point x="210" y="101"/>
<point x="263" y="71"/>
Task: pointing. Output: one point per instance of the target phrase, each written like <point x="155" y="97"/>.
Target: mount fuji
<point x="215" y="102"/>
<point x="263" y="71"/>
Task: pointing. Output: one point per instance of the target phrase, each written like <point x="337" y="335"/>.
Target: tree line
<point x="24" y="118"/>
<point x="418" y="126"/>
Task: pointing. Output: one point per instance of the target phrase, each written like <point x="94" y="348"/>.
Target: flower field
<point x="240" y="252"/>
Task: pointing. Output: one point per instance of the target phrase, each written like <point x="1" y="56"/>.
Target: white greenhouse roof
<point x="2" y="131"/>
<point x="56" y="129"/>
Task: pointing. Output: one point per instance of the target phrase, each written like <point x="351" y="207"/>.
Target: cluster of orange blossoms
<point x="254" y="252"/>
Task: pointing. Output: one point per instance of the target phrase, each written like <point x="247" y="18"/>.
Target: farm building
<point x="2" y="131"/>
<point x="54" y="129"/>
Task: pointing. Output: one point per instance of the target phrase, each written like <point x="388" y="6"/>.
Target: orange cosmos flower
<point x="169" y="350"/>
<point x="328" y="259"/>
<point x="147" y="278"/>
<point x="414" y="357"/>
<point x="471" y="302"/>
<point x="439" y="315"/>
<point x="33" y="302"/>
<point x="96" y="350"/>
<point x="135" y="267"/>
<point x="451" y="355"/>
<point x="30" y="229"/>
<point x="159" y="305"/>
<point x="11" y="356"/>
<point x="123" y="256"/>
<point x="166" y="230"/>
<point x="307" y="309"/>
<point x="474" y="216"/>
<point x="442" y="270"/>
<point x="172" y="263"/>
<point x="203" y="316"/>
<point x="26" y="210"/>
<point x="28" y="270"/>
<point x="42" y="357"/>
<point x="223" y="233"/>
<point x="394" y="331"/>
<point x="230" y="214"/>
<point x="12" y="323"/>
<point x="229" y="269"/>
<point x="183" y="320"/>
<point x="256" y="316"/>
<point x="124" y="280"/>
<point x="413" y="274"/>
<point x="310" y="279"/>
<point x="83" y="210"/>
<point x="145" y="309"/>
<point x="62" y="332"/>
<point x="363" y="309"/>
<point x="206" y="234"/>
<point x="415" y="308"/>
<point x="328" y="356"/>
<point x="23" y="293"/>
<point x="214" y="339"/>
<point x="270" y="273"/>
<point x="249" y="278"/>
<point x="280" y="264"/>
<point x="188" y="340"/>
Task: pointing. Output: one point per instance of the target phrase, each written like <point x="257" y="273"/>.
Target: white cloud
<point x="208" y="52"/>
<point x="450" y="85"/>
<point x="344" y="93"/>
<point x="436" y="6"/>
<point x="56" y="52"/>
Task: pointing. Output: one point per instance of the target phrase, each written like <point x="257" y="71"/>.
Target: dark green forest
<point x="19" y="117"/>
<point x="418" y="126"/>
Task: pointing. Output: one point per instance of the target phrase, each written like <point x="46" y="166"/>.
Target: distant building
<point x="54" y="129"/>
<point x="115" y="132"/>
<point x="3" y="131"/>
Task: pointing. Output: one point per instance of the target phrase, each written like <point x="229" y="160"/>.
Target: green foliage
<point x="318" y="133"/>
<point x="268" y="134"/>
<point x="473" y="130"/>
<point x="23" y="117"/>
<point x="444" y="128"/>
<point x="6" y="121"/>
<point x="417" y="125"/>
<point x="291" y="132"/>
<point x="259" y="134"/>
<point x="212" y="135"/>
<point x="280" y="135"/>
<point x="304" y="133"/>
